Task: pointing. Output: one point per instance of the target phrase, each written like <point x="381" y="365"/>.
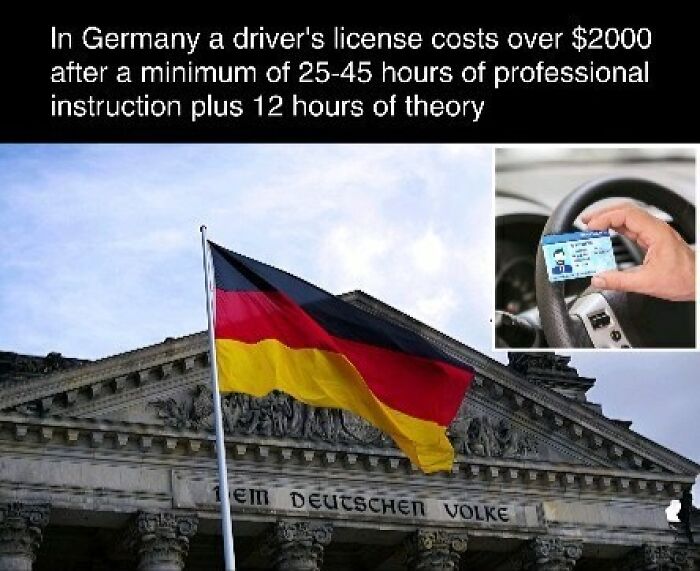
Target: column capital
<point x="160" y="540"/>
<point x="21" y="529"/>
<point x="298" y="545"/>
<point x="438" y="550"/>
<point x="650" y="557"/>
<point x="546" y="553"/>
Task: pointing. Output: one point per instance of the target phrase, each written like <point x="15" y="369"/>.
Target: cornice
<point x="116" y="382"/>
<point x="121" y="440"/>
<point x="138" y="361"/>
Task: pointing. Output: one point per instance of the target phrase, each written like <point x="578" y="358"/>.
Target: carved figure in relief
<point x="281" y="416"/>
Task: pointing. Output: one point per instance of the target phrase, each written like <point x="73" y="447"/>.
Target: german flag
<point x="274" y="331"/>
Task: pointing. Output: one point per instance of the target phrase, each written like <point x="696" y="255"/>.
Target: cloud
<point x="353" y="254"/>
<point x="436" y="308"/>
<point x="102" y="249"/>
<point x="429" y="253"/>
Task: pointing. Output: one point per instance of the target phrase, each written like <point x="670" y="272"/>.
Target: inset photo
<point x="595" y="248"/>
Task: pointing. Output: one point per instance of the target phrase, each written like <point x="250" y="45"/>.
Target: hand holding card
<point x="668" y="271"/>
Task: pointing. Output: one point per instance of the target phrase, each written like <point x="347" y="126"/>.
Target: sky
<point x="100" y="250"/>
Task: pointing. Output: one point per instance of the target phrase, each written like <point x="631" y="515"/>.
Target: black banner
<point x="501" y="79"/>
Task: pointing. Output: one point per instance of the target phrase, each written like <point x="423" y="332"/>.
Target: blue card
<point x="577" y="254"/>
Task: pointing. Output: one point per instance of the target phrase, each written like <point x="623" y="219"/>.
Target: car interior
<point x="545" y="192"/>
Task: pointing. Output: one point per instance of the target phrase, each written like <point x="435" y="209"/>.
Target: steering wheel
<point x="604" y="318"/>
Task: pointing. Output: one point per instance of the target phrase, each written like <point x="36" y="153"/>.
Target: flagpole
<point x="226" y="527"/>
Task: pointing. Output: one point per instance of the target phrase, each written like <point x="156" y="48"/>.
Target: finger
<point x="586" y="216"/>
<point x="634" y="236"/>
<point x="632" y="281"/>
<point x="627" y="221"/>
<point x="626" y="232"/>
<point x="623" y="230"/>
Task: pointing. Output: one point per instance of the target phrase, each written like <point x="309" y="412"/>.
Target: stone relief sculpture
<point x="524" y="362"/>
<point x="14" y="365"/>
<point x="484" y="436"/>
<point x="274" y="415"/>
<point x="194" y="414"/>
<point x="279" y="415"/>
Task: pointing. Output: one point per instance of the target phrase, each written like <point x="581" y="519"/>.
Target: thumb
<point x="620" y="281"/>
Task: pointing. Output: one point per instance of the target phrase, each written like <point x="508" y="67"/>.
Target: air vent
<point x="624" y="258"/>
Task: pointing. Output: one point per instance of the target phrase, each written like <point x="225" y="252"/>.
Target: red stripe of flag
<point x="417" y="386"/>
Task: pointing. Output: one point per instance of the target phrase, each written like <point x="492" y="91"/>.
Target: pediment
<point x="505" y="417"/>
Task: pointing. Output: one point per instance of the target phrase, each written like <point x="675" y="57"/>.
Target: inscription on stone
<point x="246" y="496"/>
<point x="351" y="503"/>
<point x="363" y="505"/>
<point x="485" y="513"/>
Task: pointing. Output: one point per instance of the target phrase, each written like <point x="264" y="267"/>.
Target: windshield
<point x="513" y="157"/>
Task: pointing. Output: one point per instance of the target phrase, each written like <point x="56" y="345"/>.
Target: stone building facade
<point x="110" y="465"/>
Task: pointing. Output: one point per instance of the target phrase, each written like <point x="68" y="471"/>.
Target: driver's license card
<point x="577" y="254"/>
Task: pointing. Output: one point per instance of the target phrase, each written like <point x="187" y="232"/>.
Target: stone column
<point x="551" y="554"/>
<point x="657" y="558"/>
<point x="160" y="541"/>
<point x="298" y="545"/>
<point x="434" y="550"/>
<point x="21" y="527"/>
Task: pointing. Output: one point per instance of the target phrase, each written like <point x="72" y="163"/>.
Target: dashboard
<point x="517" y="236"/>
